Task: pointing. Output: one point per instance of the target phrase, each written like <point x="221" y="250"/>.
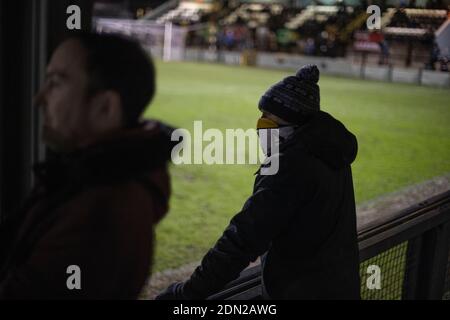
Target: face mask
<point x="271" y="135"/>
<point x="269" y="140"/>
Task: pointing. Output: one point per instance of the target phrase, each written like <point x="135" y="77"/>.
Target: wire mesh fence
<point x="391" y="264"/>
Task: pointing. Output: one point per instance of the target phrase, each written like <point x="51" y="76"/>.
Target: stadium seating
<point x="253" y="14"/>
<point x="321" y="30"/>
<point x="414" y="22"/>
<point x="186" y="13"/>
<point x="318" y="13"/>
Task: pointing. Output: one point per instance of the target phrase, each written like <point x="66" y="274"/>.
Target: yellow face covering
<point x="266" y="123"/>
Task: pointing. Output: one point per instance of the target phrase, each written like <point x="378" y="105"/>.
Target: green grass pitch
<point x="403" y="134"/>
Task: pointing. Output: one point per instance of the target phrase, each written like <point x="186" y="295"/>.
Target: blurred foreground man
<point x="303" y="216"/>
<point x="86" y="230"/>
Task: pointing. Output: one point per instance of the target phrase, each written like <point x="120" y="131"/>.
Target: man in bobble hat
<point x="302" y="220"/>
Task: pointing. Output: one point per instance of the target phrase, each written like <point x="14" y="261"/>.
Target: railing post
<point x="427" y="279"/>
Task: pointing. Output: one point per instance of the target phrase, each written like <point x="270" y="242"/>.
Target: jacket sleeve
<point x="264" y="215"/>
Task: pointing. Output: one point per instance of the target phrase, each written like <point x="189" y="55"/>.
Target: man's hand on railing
<point x="173" y="292"/>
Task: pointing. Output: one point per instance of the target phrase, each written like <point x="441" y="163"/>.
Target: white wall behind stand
<point x="434" y="78"/>
<point x="344" y="67"/>
<point x="284" y="60"/>
<point x="233" y="58"/>
<point x="339" y="67"/>
<point x="405" y="75"/>
<point x="331" y="66"/>
<point x="210" y="55"/>
<point x="382" y="73"/>
<point x="226" y="57"/>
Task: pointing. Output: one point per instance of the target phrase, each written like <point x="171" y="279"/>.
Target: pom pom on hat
<point x="309" y="72"/>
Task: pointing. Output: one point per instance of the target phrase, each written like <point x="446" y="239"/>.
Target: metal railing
<point x="412" y="251"/>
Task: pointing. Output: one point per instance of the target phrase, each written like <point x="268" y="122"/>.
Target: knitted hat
<point x="294" y="97"/>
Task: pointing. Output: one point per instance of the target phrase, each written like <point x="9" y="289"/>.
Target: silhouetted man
<point x="303" y="216"/>
<point x="86" y="231"/>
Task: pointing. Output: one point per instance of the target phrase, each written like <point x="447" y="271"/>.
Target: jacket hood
<point x="327" y="139"/>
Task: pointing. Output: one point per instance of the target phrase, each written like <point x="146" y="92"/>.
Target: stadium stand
<point x="187" y="13"/>
<point x="317" y="13"/>
<point x="406" y="39"/>
<point x="410" y="33"/>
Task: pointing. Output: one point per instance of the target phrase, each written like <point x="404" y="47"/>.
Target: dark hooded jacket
<point x="95" y="209"/>
<point x="303" y="217"/>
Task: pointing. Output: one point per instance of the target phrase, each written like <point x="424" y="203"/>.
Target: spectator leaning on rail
<point x="303" y="216"/>
<point x="98" y="197"/>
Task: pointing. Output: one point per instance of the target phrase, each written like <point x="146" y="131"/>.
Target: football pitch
<point x="403" y="134"/>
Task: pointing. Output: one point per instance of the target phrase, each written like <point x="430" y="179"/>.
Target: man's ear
<point x="107" y="110"/>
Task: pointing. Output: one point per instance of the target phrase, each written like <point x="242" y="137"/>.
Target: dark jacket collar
<point x="120" y="155"/>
